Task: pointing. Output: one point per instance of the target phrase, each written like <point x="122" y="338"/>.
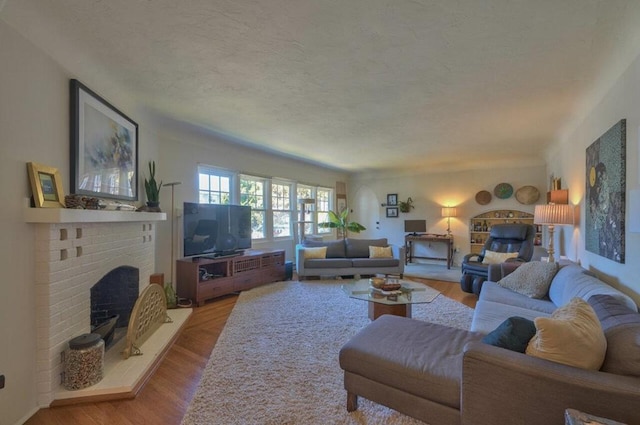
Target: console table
<point x="200" y="279"/>
<point x="410" y="239"/>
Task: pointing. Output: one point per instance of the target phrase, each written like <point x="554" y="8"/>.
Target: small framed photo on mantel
<point x="46" y="186"/>
<point x="392" y="212"/>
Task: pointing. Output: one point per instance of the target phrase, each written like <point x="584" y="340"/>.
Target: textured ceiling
<point x="354" y="84"/>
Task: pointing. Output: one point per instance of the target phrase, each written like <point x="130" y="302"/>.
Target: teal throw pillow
<point x="513" y="334"/>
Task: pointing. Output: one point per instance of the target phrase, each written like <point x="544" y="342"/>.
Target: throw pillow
<point x="571" y="336"/>
<point x="492" y="257"/>
<point x="380" y="252"/>
<point x="531" y="279"/>
<point x="315" y="253"/>
<point x="513" y="334"/>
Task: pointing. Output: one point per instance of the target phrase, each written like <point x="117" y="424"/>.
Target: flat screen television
<point x="415" y="226"/>
<point x="213" y="230"/>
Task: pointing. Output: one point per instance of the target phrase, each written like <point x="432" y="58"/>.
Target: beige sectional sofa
<point x="443" y="375"/>
<point x="349" y="256"/>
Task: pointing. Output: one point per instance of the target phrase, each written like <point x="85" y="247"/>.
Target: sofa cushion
<point x="492" y="257"/>
<point x="488" y="314"/>
<point x="328" y="263"/>
<point x="571" y="336"/>
<point x="531" y="279"/>
<point x="335" y="249"/>
<point x="420" y="358"/>
<point x="513" y="334"/>
<point x="375" y="262"/>
<point x="491" y="291"/>
<point x="380" y="252"/>
<point x="574" y="281"/>
<point x="318" y="252"/>
<point x="359" y="248"/>
<point x="621" y="327"/>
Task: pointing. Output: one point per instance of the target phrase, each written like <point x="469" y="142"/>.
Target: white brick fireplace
<point x="74" y="250"/>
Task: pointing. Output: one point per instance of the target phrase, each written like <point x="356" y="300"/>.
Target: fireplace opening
<point x="112" y="300"/>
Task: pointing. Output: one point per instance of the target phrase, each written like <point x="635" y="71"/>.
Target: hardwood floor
<point x="165" y="398"/>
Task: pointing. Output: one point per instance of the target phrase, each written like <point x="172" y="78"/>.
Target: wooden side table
<point x="410" y="240"/>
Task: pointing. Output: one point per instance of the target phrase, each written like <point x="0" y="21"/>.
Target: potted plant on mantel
<point x="341" y="223"/>
<point x="152" y="188"/>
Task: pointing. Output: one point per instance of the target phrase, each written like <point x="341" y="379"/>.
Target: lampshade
<point x="306" y="201"/>
<point x="448" y="212"/>
<point x="553" y="214"/>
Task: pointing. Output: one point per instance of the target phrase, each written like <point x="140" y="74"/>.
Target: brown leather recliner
<point x="507" y="237"/>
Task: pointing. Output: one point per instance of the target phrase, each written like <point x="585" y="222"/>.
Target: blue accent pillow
<point x="513" y="334"/>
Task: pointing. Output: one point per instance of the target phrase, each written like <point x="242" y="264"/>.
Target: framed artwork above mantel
<point x="104" y="147"/>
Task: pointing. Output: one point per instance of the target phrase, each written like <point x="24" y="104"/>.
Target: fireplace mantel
<point x="73" y="250"/>
<point x="68" y="215"/>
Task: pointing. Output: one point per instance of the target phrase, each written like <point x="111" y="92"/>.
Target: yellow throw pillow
<point x="380" y="252"/>
<point x="492" y="257"/>
<point x="317" y="252"/>
<point x="572" y="336"/>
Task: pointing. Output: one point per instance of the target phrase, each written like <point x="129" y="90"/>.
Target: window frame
<point x="220" y="173"/>
<point x="235" y="198"/>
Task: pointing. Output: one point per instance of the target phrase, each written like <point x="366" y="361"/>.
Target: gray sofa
<point x="443" y="375"/>
<point x="347" y="257"/>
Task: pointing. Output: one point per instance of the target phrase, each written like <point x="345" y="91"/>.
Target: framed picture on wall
<point x="392" y="199"/>
<point x="104" y="147"/>
<point x="392" y="212"/>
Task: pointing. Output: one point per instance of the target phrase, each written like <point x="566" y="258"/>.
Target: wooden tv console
<point x="225" y="275"/>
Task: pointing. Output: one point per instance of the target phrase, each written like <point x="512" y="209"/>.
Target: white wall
<point x="430" y="192"/>
<point x="34" y="126"/>
<point x="568" y="161"/>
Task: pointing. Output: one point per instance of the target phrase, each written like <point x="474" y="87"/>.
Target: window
<point x="323" y="206"/>
<point x="281" y="209"/>
<point x="306" y="192"/>
<point x="274" y="202"/>
<point x="252" y="193"/>
<point x="214" y="185"/>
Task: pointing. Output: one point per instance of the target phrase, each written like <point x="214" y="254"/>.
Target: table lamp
<point x="449" y="212"/>
<point x="551" y="215"/>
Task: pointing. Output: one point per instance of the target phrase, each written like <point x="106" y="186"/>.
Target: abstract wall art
<point x="605" y="194"/>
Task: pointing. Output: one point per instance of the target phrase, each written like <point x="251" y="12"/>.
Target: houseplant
<point x="341" y="223"/>
<point x="152" y="188"/>
<point x="405" y="206"/>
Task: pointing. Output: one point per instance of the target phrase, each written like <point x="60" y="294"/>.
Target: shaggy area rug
<point x="276" y="361"/>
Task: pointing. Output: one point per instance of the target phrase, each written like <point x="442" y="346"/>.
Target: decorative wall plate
<point x="527" y="195"/>
<point x="483" y="197"/>
<point x="503" y="190"/>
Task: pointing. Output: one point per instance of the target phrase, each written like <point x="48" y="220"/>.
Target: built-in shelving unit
<point x="480" y="226"/>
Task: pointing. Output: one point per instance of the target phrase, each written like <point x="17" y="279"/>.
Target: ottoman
<point x="411" y="366"/>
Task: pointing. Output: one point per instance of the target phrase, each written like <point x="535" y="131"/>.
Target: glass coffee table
<point x="390" y="302"/>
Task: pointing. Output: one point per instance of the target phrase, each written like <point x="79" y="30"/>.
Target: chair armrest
<point x="398" y="252"/>
<point x="501" y="386"/>
<point x="468" y="257"/>
<point x="300" y="259"/>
